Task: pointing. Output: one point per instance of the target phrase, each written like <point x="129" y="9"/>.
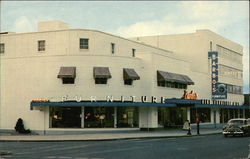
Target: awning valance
<point x="67" y="72"/>
<point x="173" y="77"/>
<point x="99" y="104"/>
<point x="101" y="72"/>
<point x="129" y="73"/>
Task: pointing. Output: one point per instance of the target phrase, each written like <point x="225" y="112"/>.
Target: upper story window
<point x="101" y="75"/>
<point x="1" y="47"/>
<point x="133" y="52"/>
<point x="84" y="43"/>
<point x="41" y="45"/>
<point x="67" y="74"/>
<point x="112" y="48"/>
<point x="101" y="80"/>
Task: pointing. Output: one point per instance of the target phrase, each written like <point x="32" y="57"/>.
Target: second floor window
<point x="112" y="48"/>
<point x="101" y="80"/>
<point x="1" y="47"/>
<point x="41" y="45"/>
<point x="84" y="43"/>
<point x="68" y="80"/>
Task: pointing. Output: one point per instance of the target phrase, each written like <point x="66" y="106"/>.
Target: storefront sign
<point x="111" y="98"/>
<point x="219" y="90"/>
<point x="217" y="102"/>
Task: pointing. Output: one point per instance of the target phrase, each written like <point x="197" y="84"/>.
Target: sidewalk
<point x="4" y="137"/>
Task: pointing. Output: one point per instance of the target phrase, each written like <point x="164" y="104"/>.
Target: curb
<point x="110" y="139"/>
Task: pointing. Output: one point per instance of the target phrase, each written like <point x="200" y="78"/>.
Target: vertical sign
<point x="219" y="90"/>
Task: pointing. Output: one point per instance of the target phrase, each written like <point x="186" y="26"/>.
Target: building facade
<point x="60" y="79"/>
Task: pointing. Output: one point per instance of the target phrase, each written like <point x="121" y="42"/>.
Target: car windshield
<point x="236" y="122"/>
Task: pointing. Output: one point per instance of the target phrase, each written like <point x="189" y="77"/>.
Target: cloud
<point x="221" y="17"/>
<point x="26" y="24"/>
<point x="188" y="17"/>
<point x="23" y="24"/>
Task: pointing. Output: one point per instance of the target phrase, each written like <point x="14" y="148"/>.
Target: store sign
<point x="110" y="98"/>
<point x="219" y="90"/>
<point x="217" y="102"/>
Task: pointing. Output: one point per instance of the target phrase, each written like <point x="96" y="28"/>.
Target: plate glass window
<point x="1" y="48"/>
<point x="41" y="45"/>
<point x="84" y="43"/>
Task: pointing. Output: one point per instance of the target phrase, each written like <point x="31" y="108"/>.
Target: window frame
<point x="101" y="80"/>
<point x="68" y="80"/>
<point x="133" y="52"/>
<point x="41" y="45"/>
<point x="128" y="82"/>
<point x="112" y="48"/>
<point x="83" y="43"/>
<point x="2" y="48"/>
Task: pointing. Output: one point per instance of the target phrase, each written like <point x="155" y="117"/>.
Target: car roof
<point x="238" y="119"/>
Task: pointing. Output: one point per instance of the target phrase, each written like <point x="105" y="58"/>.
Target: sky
<point x="139" y="18"/>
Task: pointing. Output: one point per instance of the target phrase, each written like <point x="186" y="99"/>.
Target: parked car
<point x="237" y="127"/>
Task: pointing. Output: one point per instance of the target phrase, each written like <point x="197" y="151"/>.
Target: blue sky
<point x="127" y="18"/>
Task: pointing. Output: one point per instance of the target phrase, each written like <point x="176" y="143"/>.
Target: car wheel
<point x="225" y="135"/>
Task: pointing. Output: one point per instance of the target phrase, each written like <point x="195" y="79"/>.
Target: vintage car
<point x="237" y="127"/>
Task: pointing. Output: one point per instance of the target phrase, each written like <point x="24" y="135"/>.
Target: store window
<point x="2" y="48"/>
<point x="98" y="117"/>
<point x="172" y="117"/>
<point x="65" y="117"/>
<point x="41" y="45"/>
<point x="204" y="115"/>
<point x="224" y="115"/>
<point x="127" y="117"/>
<point x="84" y="43"/>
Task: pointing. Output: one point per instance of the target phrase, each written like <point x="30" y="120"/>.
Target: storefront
<point x="172" y="113"/>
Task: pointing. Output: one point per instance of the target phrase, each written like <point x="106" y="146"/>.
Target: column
<point x="115" y="117"/>
<point x="188" y="114"/>
<point x="82" y="118"/>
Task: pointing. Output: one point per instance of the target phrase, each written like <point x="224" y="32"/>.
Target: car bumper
<point x="232" y="133"/>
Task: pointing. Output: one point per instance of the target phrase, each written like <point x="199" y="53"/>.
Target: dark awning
<point x="101" y="72"/>
<point x="99" y="104"/>
<point x="129" y="73"/>
<point x="173" y="77"/>
<point x="67" y="72"/>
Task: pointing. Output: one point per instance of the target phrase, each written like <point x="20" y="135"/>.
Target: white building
<point x="79" y="79"/>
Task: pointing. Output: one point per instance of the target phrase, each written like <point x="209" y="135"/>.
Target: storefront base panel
<point x="75" y="131"/>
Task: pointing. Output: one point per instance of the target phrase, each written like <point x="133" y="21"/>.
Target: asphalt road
<point x="199" y="147"/>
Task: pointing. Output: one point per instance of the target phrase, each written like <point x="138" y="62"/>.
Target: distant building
<point x="60" y="79"/>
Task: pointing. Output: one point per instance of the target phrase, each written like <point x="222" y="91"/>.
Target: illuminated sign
<point x="219" y="90"/>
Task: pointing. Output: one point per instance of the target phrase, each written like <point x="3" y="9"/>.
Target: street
<point x="198" y="147"/>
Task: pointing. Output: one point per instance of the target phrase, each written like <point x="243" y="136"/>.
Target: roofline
<point x="91" y="30"/>
<point x="201" y="30"/>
